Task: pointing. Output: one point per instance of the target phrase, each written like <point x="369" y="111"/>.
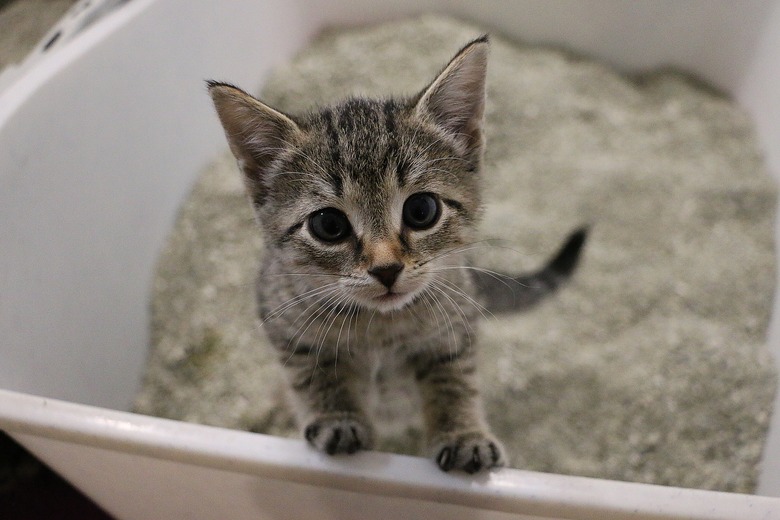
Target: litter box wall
<point x="99" y="142"/>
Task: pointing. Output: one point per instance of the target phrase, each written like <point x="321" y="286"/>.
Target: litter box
<point x="101" y="136"/>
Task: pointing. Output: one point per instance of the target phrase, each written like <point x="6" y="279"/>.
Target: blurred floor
<point x="23" y="23"/>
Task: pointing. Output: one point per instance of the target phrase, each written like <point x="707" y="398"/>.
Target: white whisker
<point x="500" y="277"/>
<point x="447" y="284"/>
<point x="455" y="250"/>
<point x="487" y="242"/>
<point x="368" y="326"/>
<point x="329" y="294"/>
<point x="285" y="306"/>
<point x="436" y="284"/>
<point x="330" y="319"/>
<point x="443" y="311"/>
<point x="344" y="321"/>
<point x="325" y="275"/>
<point x="324" y="307"/>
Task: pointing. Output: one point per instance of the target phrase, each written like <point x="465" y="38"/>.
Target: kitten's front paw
<point x="470" y="452"/>
<point x="339" y="434"/>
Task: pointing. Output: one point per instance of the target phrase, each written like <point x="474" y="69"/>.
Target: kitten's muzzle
<point x="386" y="274"/>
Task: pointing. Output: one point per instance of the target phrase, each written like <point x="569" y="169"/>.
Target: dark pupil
<point x="420" y="211"/>
<point x="329" y="225"/>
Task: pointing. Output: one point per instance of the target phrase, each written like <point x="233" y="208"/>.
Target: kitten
<point x="369" y="208"/>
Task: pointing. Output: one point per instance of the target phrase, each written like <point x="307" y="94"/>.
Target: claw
<point x="338" y="436"/>
<point x="333" y="443"/>
<point x="475" y="464"/>
<point x="469" y="452"/>
<point x="445" y="460"/>
<point x="496" y="456"/>
<point x="311" y="432"/>
<point x="354" y="444"/>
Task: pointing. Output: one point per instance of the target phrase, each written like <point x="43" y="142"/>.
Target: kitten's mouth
<point x="392" y="301"/>
<point x="389" y="296"/>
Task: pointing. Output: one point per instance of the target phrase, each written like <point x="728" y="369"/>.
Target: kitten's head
<point x="379" y="193"/>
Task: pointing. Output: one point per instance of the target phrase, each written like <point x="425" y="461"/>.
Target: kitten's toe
<point x="470" y="452"/>
<point x="339" y="434"/>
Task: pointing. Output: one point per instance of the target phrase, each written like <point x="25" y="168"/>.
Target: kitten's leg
<point x="331" y="416"/>
<point x="457" y="431"/>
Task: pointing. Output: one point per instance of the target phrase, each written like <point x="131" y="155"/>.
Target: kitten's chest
<point x="387" y="343"/>
<point x="383" y="343"/>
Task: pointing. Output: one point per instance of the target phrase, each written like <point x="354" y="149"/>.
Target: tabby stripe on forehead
<point x="349" y="113"/>
<point x="392" y="154"/>
<point x="335" y="154"/>
<point x="388" y="108"/>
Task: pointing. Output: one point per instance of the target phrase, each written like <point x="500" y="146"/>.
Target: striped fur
<point x="387" y="294"/>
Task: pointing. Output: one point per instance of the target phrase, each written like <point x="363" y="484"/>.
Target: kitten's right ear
<point x="257" y="134"/>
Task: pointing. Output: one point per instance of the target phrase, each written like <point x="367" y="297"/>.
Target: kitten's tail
<point x="503" y="293"/>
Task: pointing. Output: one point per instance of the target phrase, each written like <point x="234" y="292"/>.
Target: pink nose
<point x="386" y="274"/>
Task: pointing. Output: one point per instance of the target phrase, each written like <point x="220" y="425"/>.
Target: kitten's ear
<point x="257" y="134"/>
<point x="456" y="98"/>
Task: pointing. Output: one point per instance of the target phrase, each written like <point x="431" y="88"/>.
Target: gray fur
<point x="335" y="321"/>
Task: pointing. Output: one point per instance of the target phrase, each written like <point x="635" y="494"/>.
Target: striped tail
<point x="504" y="293"/>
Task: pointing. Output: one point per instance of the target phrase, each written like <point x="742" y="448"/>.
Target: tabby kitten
<point x="369" y="208"/>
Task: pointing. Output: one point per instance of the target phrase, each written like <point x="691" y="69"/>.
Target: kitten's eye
<point x="329" y="225"/>
<point x="421" y="211"/>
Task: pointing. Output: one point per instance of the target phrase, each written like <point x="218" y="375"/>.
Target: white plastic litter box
<point x="101" y="137"/>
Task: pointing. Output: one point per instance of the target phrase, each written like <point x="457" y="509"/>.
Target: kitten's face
<point x="375" y="196"/>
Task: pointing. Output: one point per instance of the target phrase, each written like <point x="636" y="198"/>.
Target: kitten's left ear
<point x="456" y="98"/>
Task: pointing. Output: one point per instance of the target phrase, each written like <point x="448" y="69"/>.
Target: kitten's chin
<point x="389" y="302"/>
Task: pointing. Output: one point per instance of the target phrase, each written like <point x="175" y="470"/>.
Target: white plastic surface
<point x="99" y="142"/>
<point x="143" y="467"/>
